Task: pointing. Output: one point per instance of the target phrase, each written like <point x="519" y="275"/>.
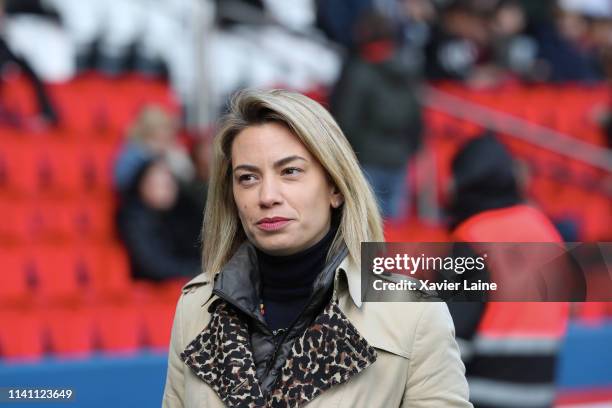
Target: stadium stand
<point x="66" y="290"/>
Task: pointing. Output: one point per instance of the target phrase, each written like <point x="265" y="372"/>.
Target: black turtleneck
<point x="287" y="281"/>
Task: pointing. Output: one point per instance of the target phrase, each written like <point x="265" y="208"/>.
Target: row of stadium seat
<point x="31" y="333"/>
<point x="571" y="108"/>
<point x="82" y="219"/>
<point x="30" y="166"/>
<point x="104" y="106"/>
<point x="65" y="274"/>
<point x="108" y="105"/>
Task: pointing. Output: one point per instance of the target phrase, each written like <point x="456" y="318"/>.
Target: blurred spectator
<point x="457" y="44"/>
<point x="195" y="191"/>
<point x="197" y="187"/>
<point x="375" y="103"/>
<point x="537" y="11"/>
<point x="338" y="19"/>
<point x="514" y="50"/>
<point x="415" y="19"/>
<point x="567" y="43"/>
<point x="47" y="111"/>
<point x="154" y="133"/>
<point x="483" y="42"/>
<point x="159" y="225"/>
<point x="483" y="179"/>
<point x="601" y="38"/>
<point x="460" y="46"/>
<point x="510" y="359"/>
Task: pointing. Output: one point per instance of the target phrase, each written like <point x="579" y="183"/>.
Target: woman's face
<point x="158" y="189"/>
<point x="282" y="194"/>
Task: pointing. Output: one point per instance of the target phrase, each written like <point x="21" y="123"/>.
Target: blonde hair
<point x="150" y="118"/>
<point x="360" y="219"/>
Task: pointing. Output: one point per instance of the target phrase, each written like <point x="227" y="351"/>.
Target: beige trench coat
<point x="418" y="362"/>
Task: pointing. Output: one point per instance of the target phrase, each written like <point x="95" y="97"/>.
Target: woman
<point x="276" y="319"/>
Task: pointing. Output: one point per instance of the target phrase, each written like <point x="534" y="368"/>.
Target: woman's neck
<point x="292" y="276"/>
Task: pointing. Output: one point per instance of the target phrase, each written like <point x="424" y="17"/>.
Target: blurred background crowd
<point x="481" y="42"/>
<point x="108" y="109"/>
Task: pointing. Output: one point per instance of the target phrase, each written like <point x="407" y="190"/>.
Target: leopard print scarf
<point x="328" y="353"/>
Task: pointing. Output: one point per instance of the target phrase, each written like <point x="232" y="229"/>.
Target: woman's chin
<point x="276" y="247"/>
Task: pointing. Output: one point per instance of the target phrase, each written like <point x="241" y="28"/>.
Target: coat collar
<point x="328" y="353"/>
<point x="347" y="277"/>
<point x="221" y="356"/>
<point x="349" y="274"/>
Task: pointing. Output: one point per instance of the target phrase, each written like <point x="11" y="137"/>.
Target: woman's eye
<point x="246" y="178"/>
<point x="291" y="171"/>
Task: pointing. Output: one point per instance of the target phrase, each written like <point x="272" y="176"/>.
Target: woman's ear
<point x="337" y="199"/>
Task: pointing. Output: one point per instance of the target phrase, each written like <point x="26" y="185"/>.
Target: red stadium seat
<point x="21" y="165"/>
<point x="76" y="117"/>
<point x="21" y="334"/>
<point x="74" y="219"/>
<point x="63" y="165"/>
<point x="15" y="285"/>
<point x="119" y="327"/>
<point x="158" y="323"/>
<point x="597" y="212"/>
<point x="93" y="218"/>
<point x="70" y="330"/>
<point x="63" y="219"/>
<point x="52" y="221"/>
<point x="17" y="94"/>
<point x="99" y="167"/>
<point x="59" y="278"/>
<point x="19" y="221"/>
<point x="108" y="271"/>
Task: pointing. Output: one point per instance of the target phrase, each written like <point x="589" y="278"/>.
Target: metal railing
<point x="518" y="128"/>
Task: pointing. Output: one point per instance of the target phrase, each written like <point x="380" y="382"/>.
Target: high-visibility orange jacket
<point x="511" y="357"/>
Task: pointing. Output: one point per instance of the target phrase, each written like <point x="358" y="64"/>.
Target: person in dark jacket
<point x="483" y="179"/>
<point x="159" y="227"/>
<point x="276" y="319"/>
<point x="375" y="102"/>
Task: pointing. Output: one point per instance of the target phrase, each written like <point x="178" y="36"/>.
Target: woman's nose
<point x="270" y="193"/>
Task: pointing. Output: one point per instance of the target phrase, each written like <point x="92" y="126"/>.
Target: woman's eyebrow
<point x="279" y="163"/>
<point x="287" y="160"/>
<point x="246" y="167"/>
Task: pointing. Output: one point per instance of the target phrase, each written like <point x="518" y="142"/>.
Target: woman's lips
<point x="272" y="225"/>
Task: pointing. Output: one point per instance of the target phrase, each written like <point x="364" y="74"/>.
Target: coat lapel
<point x="329" y="353"/>
<point x="221" y="356"/>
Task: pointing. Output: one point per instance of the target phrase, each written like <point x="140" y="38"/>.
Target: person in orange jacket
<point x="510" y="349"/>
